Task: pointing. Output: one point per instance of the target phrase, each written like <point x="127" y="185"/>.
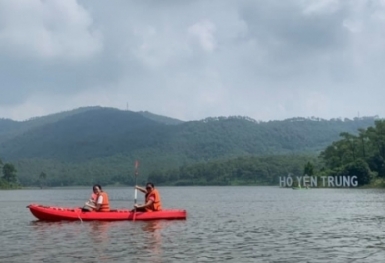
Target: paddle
<point x="136" y="190"/>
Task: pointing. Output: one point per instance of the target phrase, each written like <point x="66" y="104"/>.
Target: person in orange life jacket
<point x="152" y="199"/>
<point x="102" y="203"/>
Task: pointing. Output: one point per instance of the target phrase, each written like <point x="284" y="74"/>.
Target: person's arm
<point x="143" y="190"/>
<point x="99" y="203"/>
<point x="90" y="204"/>
<point x="149" y="203"/>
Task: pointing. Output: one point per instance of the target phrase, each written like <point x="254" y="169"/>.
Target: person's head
<point x="150" y="187"/>
<point x="96" y="188"/>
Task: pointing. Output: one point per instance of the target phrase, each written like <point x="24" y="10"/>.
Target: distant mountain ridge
<point x="91" y="136"/>
<point x="160" y="118"/>
<point x="10" y="128"/>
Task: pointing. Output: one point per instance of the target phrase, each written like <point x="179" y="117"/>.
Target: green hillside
<point x="10" y="129"/>
<point x="159" y="118"/>
<point x="100" y="144"/>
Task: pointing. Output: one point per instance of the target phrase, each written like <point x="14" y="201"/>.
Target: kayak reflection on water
<point x="152" y="226"/>
<point x="152" y="232"/>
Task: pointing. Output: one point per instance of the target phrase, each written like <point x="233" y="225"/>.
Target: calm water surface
<point x="224" y="224"/>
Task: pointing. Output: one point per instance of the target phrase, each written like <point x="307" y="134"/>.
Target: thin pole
<point x="136" y="190"/>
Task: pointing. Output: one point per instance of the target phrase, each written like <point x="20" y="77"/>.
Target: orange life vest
<point x="156" y="205"/>
<point x="105" y="206"/>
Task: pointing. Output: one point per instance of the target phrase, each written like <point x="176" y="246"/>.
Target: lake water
<point x="224" y="224"/>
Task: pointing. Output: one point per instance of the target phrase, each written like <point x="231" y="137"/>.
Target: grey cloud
<point x="193" y="59"/>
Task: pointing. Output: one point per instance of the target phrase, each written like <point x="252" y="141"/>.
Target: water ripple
<point x="224" y="224"/>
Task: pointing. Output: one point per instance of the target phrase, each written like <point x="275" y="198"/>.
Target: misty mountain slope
<point x="160" y="118"/>
<point x="106" y="132"/>
<point x="81" y="136"/>
<point x="10" y="129"/>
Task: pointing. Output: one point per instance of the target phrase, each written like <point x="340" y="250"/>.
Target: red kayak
<point x="50" y="213"/>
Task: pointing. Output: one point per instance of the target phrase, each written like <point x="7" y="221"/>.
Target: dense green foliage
<point x="100" y="145"/>
<point x="362" y="155"/>
<point x="308" y="169"/>
<point x="9" y="179"/>
<point x="263" y="170"/>
<point x="10" y="129"/>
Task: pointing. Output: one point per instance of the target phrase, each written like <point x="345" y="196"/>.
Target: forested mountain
<point x="94" y="143"/>
<point x="261" y="170"/>
<point x="362" y="155"/>
<point x="159" y="118"/>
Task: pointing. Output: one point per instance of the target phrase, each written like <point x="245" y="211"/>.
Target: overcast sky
<point x="191" y="59"/>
